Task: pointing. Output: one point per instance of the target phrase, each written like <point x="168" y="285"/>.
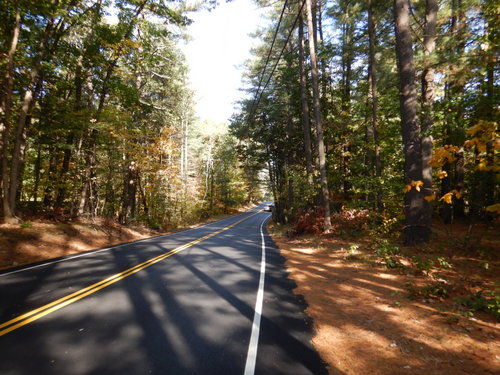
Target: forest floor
<point x="42" y="239"/>
<point x="380" y="308"/>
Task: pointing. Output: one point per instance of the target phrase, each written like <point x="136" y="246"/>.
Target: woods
<point x="97" y="118"/>
<point x="348" y="106"/>
<point x="401" y="105"/>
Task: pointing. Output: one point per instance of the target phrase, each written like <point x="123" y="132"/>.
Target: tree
<point x="429" y="44"/>
<point x="417" y="225"/>
<point x="6" y="105"/>
<point x="317" y="120"/>
<point x="304" y="101"/>
<point x="373" y="129"/>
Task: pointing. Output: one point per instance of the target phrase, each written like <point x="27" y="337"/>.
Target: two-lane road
<point x="210" y="300"/>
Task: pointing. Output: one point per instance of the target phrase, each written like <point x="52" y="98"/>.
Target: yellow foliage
<point x="457" y="194"/>
<point x="482" y="166"/>
<point x="416" y="184"/>
<point x="430" y="198"/>
<point x="449" y="196"/>
<point x="482" y="134"/>
<point x="483" y="129"/>
<point x="442" y="174"/>
<point x="443" y="155"/>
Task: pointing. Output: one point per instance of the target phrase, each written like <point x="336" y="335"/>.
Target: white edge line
<point x="254" y="338"/>
<point x="90" y="252"/>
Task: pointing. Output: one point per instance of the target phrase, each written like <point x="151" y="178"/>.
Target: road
<point x="184" y="303"/>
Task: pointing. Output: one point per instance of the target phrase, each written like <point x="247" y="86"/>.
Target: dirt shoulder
<point x="414" y="318"/>
<point x="37" y="241"/>
<point x="40" y="240"/>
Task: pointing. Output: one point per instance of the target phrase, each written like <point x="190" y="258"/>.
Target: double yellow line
<point x="36" y="314"/>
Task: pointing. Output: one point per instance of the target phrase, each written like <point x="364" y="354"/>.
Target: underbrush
<point x="344" y="222"/>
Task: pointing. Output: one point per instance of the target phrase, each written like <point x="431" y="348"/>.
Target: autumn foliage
<point x="311" y="222"/>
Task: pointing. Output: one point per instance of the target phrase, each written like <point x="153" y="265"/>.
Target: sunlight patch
<point x="306" y="250"/>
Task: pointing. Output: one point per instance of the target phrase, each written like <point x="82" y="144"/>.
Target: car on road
<point x="268" y="207"/>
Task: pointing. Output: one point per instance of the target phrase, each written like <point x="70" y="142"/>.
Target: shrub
<point x="387" y="252"/>
<point x="385" y="248"/>
<point x="310" y="222"/>
<point x="488" y="302"/>
<point x="424" y="266"/>
<point x="348" y="220"/>
<point x="435" y="290"/>
<point x="351" y="219"/>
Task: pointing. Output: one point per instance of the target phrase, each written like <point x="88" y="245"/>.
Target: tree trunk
<point x="6" y="102"/>
<point x="212" y="189"/>
<point x="61" y="193"/>
<point x="143" y="195"/>
<point x="417" y="227"/>
<point x="289" y="177"/>
<point x="129" y="192"/>
<point x="47" y="194"/>
<point x="306" y="126"/>
<point x="431" y="9"/>
<point x="372" y="74"/>
<point x="28" y="103"/>
<point x="36" y="172"/>
<point x="89" y="196"/>
<point x="454" y="131"/>
<point x="491" y="101"/>
<point x="347" y="61"/>
<point x="317" y="120"/>
<point x="20" y="139"/>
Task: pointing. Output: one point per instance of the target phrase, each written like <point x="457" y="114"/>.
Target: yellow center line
<point x="40" y="312"/>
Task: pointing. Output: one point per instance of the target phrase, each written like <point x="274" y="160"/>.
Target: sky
<point x="220" y="45"/>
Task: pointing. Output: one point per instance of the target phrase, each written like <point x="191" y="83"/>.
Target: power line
<point x="282" y="50"/>
<point x="272" y="45"/>
<point x="257" y="95"/>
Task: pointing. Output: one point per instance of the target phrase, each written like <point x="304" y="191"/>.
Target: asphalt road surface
<point x="185" y="303"/>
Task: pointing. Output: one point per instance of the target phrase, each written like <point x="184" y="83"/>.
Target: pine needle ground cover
<point x="37" y="241"/>
<point x="43" y="239"/>
<point x="381" y="308"/>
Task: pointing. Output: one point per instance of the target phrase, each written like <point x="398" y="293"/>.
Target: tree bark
<point x="20" y="139"/>
<point x="306" y="125"/>
<point x="431" y="8"/>
<point x="347" y="61"/>
<point x="129" y="192"/>
<point x="288" y="159"/>
<point x="28" y="103"/>
<point x="491" y="102"/>
<point x="6" y="102"/>
<point x="36" y="172"/>
<point x="417" y="228"/>
<point x="317" y="120"/>
<point x="372" y="73"/>
<point x="61" y="192"/>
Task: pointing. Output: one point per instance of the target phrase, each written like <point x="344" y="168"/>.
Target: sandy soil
<point x="366" y="324"/>
<point x="37" y="241"/>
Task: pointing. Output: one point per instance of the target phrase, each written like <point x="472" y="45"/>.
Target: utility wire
<point x="271" y="49"/>
<point x="282" y="50"/>
<point x="258" y="96"/>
